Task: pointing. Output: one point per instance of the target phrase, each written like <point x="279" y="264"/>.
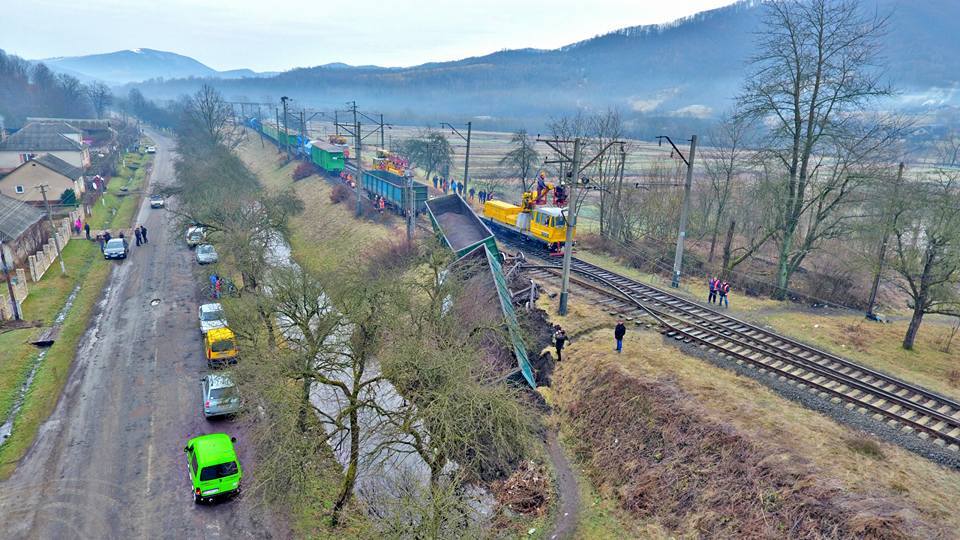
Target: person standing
<point x="143" y="233"/>
<point x="713" y="290"/>
<point x="436" y="183"/>
<point x="217" y="287"/>
<point x="100" y="241"/>
<point x="76" y="226"/>
<point x="482" y="196"/>
<point x="560" y="341"/>
<point x="136" y="233"/>
<point x="618" y="333"/>
<point x="86" y="228"/>
<point x="724" y="290"/>
<point x="470" y="194"/>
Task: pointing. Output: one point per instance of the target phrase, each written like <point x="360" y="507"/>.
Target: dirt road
<point x="109" y="462"/>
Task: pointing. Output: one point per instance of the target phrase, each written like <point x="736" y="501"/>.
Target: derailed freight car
<point x="394" y="189"/>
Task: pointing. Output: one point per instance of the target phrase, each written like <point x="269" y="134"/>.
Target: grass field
<point x="769" y="419"/>
<point x="44" y="301"/>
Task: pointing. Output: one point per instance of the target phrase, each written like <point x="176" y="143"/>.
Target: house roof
<point x="43" y="137"/>
<point x="85" y="124"/>
<point x="16" y="217"/>
<point x="58" y="165"/>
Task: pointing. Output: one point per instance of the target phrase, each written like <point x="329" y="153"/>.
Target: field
<point x="863" y="466"/>
<point x="46" y="298"/>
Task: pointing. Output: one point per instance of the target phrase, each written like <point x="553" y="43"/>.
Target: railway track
<point x="900" y="404"/>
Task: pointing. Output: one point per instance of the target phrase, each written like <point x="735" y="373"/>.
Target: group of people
<point x="560" y="338"/>
<point x="719" y="292"/>
<point x="139" y="232"/>
<point x="216" y="286"/>
<point x="379" y="203"/>
<point x="447" y="186"/>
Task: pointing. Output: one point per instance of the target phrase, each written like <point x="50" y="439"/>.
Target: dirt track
<point x="109" y="461"/>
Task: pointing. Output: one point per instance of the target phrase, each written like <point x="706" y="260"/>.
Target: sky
<point x="275" y="35"/>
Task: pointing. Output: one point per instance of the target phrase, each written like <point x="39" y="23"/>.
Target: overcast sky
<point x="282" y="34"/>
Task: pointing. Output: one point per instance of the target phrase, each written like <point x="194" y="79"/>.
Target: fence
<point x="37" y="265"/>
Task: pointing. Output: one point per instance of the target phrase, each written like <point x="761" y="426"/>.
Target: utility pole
<point x="381" y="132"/>
<point x="56" y="241"/>
<point x="359" y="180"/>
<point x="883" y="248"/>
<point x="277" y="113"/>
<point x="6" y="275"/>
<point x="411" y="206"/>
<point x="571" y="224"/>
<point x="576" y="167"/>
<point x="286" y="134"/>
<point x="466" y="163"/>
<point x="303" y="131"/>
<point x="685" y="210"/>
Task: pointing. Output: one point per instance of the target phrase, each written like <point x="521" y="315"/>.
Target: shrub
<point x="340" y="193"/>
<point x="68" y="198"/>
<point x="303" y="170"/>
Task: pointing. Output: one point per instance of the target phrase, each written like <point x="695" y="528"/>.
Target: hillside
<point x="682" y="71"/>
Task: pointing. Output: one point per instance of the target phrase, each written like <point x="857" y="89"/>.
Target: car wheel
<point x="196" y="498"/>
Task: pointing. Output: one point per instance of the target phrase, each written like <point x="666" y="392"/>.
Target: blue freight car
<point x="393" y="189"/>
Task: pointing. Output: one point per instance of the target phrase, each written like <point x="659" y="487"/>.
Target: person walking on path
<point x="713" y="290"/>
<point x="86" y="228"/>
<point x="100" y="241"/>
<point x="76" y="226"/>
<point x="724" y="290"/>
<point x="470" y="194"/>
<point x="482" y="196"/>
<point x="618" y="333"/>
<point x="136" y="233"/>
<point x="436" y="182"/>
<point x="560" y="340"/>
<point x="143" y="233"/>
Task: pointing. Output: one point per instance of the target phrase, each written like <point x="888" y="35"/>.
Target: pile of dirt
<point x="663" y="458"/>
<point x="526" y="491"/>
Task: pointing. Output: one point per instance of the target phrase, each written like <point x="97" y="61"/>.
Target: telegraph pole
<point x="685" y="210"/>
<point x="6" y="275"/>
<point x="56" y="241"/>
<point x="277" y="113"/>
<point x="356" y="125"/>
<point x="466" y="163"/>
<point x="303" y="130"/>
<point x="883" y="248"/>
<point x="381" y="132"/>
<point x="286" y="134"/>
<point x="571" y="224"/>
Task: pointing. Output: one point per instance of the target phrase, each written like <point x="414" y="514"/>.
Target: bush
<point x="340" y="193"/>
<point x="303" y="170"/>
<point x="68" y="198"/>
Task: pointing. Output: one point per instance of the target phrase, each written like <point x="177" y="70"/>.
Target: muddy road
<point x="109" y="462"/>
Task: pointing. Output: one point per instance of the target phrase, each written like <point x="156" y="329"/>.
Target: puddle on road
<point x="7" y="428"/>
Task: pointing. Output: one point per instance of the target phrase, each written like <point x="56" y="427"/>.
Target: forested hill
<point x="687" y="69"/>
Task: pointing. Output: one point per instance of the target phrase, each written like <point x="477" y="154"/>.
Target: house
<point x="98" y="134"/>
<point x="57" y="138"/>
<point x="46" y="169"/>
<point x="23" y="230"/>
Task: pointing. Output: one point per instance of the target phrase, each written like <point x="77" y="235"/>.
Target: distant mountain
<point x="136" y="65"/>
<point x="684" y="71"/>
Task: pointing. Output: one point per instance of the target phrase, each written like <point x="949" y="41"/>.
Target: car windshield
<point x="221" y="394"/>
<point x="218" y="471"/>
<point x="212" y="315"/>
<point x="558" y="221"/>
<point x="206" y="250"/>
<point x="222" y="346"/>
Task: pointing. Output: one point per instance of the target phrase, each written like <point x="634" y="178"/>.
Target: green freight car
<point x="393" y="189"/>
<point x="327" y="156"/>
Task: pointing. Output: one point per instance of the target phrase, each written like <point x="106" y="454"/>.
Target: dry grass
<point x="762" y="415"/>
<point x="877" y="345"/>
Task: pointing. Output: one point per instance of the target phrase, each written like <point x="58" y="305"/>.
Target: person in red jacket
<point x="724" y="291"/>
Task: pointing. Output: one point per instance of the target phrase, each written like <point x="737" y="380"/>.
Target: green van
<point x="213" y="466"/>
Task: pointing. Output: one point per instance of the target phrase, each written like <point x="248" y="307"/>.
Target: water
<point x="7" y="428"/>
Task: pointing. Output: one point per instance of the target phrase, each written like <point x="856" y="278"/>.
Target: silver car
<point x="115" y="248"/>
<point x="211" y="316"/>
<point x="156" y="201"/>
<point x="220" y="395"/>
<point x="206" y="254"/>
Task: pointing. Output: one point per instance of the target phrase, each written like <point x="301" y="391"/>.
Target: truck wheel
<point x="196" y="498"/>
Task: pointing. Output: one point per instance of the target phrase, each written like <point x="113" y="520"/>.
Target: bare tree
<point x="815" y="70"/>
<point x="523" y="158"/>
<point x="208" y="120"/>
<point x="431" y="151"/>
<point x="100" y="97"/>
<point x="723" y="165"/>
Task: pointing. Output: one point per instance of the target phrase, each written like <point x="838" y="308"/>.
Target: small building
<point x="23" y="230"/>
<point x="57" y="138"/>
<point x="47" y="169"/>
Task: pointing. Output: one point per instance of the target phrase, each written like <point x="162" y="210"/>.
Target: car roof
<point x="115" y="241"/>
<point x="549" y="210"/>
<point x="213" y="449"/>
<point x="220" y="333"/>
<point x="211" y="307"/>
<point x="218" y="380"/>
<point x="205" y="246"/>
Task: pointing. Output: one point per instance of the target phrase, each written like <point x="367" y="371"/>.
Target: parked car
<point x="196" y="235"/>
<point x="206" y="254"/>
<point x="213" y="466"/>
<point x="220" y="395"/>
<point x="220" y="346"/>
<point x="211" y="316"/>
<point x="156" y="201"/>
<point x="115" y="248"/>
<point x="151" y="149"/>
